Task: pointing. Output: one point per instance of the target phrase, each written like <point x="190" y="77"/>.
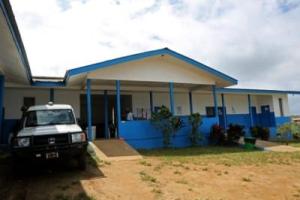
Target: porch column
<point x="215" y="102"/>
<point x="171" y="92"/>
<point x="250" y="110"/>
<point x="51" y="95"/>
<point x="118" y="100"/>
<point x="89" y="108"/>
<point x="224" y="111"/>
<point x="1" y="107"/>
<point x="106" y="114"/>
<point x="191" y="102"/>
<point x="151" y="102"/>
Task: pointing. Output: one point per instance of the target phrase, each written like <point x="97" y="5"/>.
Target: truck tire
<point x="82" y="161"/>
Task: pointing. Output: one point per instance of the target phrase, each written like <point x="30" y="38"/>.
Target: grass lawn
<point x="222" y="155"/>
<point x="295" y="143"/>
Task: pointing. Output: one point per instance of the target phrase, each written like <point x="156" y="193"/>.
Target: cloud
<point x="255" y="41"/>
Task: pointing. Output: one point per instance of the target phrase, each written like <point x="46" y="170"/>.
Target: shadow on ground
<point x="57" y="180"/>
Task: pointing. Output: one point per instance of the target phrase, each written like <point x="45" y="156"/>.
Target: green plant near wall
<point x="234" y="133"/>
<point x="168" y="124"/>
<point x="195" y="121"/>
<point x="284" y="130"/>
<point x="260" y="132"/>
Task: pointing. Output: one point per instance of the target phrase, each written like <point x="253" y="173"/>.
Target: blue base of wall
<point x="8" y="127"/>
<point x="143" y="135"/>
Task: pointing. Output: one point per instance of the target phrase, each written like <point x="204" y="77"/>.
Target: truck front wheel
<point x="82" y="161"/>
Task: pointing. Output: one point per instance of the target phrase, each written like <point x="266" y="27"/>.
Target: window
<point x="281" y="107"/>
<point x="28" y="101"/>
<point x="210" y="111"/>
<point x="49" y="117"/>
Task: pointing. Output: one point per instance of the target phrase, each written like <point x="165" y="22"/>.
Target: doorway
<point x="98" y="112"/>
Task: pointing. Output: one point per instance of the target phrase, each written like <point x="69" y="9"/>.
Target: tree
<point x="195" y="121"/>
<point x="167" y="123"/>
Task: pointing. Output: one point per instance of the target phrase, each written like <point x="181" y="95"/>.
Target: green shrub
<point x="260" y="132"/>
<point x="166" y="123"/>
<point x="284" y="130"/>
<point x="234" y="133"/>
<point x="195" y="121"/>
<point x="217" y="135"/>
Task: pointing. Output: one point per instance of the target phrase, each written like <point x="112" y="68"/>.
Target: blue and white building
<point x="100" y="93"/>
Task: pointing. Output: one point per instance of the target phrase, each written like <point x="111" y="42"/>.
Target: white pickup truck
<point x="49" y="132"/>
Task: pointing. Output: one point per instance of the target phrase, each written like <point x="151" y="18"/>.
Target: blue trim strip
<point x="89" y="108"/>
<point x="106" y="114"/>
<point x="151" y="102"/>
<point x="11" y="22"/>
<point x="143" y="55"/>
<point x="250" y="110"/>
<point x="256" y="91"/>
<point x="191" y="102"/>
<point x="224" y="111"/>
<point x="47" y="84"/>
<point x="118" y="96"/>
<point x="171" y="93"/>
<point x="215" y="102"/>
<point x="1" y="107"/>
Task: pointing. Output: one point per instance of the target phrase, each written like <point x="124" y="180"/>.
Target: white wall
<point x="235" y="103"/>
<point x="262" y="100"/>
<point x="71" y="97"/>
<point x="140" y="101"/>
<point x="200" y="101"/>
<point x="156" y="69"/>
<point x="13" y="100"/>
<point x="285" y="104"/>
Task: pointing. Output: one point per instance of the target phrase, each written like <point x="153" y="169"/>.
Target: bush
<point x="234" y="133"/>
<point x="217" y="135"/>
<point x="195" y="121"/>
<point x="289" y="128"/>
<point x="167" y="123"/>
<point x="260" y="132"/>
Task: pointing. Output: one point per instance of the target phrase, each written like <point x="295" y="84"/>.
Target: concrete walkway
<point x="272" y="146"/>
<point x="114" y="150"/>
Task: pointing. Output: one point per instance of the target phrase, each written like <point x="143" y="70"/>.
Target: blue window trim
<point x="164" y="51"/>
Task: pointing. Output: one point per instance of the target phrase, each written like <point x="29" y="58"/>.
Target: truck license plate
<point x="51" y="155"/>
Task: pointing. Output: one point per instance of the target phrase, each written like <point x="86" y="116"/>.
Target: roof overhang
<point x="255" y="91"/>
<point x="13" y="60"/>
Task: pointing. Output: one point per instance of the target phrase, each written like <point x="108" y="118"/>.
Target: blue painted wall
<point x="8" y="127"/>
<point x="143" y="135"/>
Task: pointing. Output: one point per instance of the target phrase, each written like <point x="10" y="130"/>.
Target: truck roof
<point x="49" y="107"/>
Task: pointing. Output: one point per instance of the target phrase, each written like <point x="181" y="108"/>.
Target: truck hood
<point x="49" y="130"/>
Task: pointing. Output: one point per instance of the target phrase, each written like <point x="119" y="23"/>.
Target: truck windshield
<point x="49" y="117"/>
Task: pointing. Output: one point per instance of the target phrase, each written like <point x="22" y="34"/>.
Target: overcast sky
<point x="254" y="41"/>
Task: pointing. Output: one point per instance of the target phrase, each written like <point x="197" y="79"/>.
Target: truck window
<point x="49" y="117"/>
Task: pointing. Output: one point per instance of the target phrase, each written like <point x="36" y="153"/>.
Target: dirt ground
<point x="158" y="177"/>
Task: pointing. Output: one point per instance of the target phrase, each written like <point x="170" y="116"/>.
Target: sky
<point x="254" y="41"/>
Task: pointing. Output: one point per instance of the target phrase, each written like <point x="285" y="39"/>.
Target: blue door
<point x="265" y="116"/>
<point x="254" y="115"/>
